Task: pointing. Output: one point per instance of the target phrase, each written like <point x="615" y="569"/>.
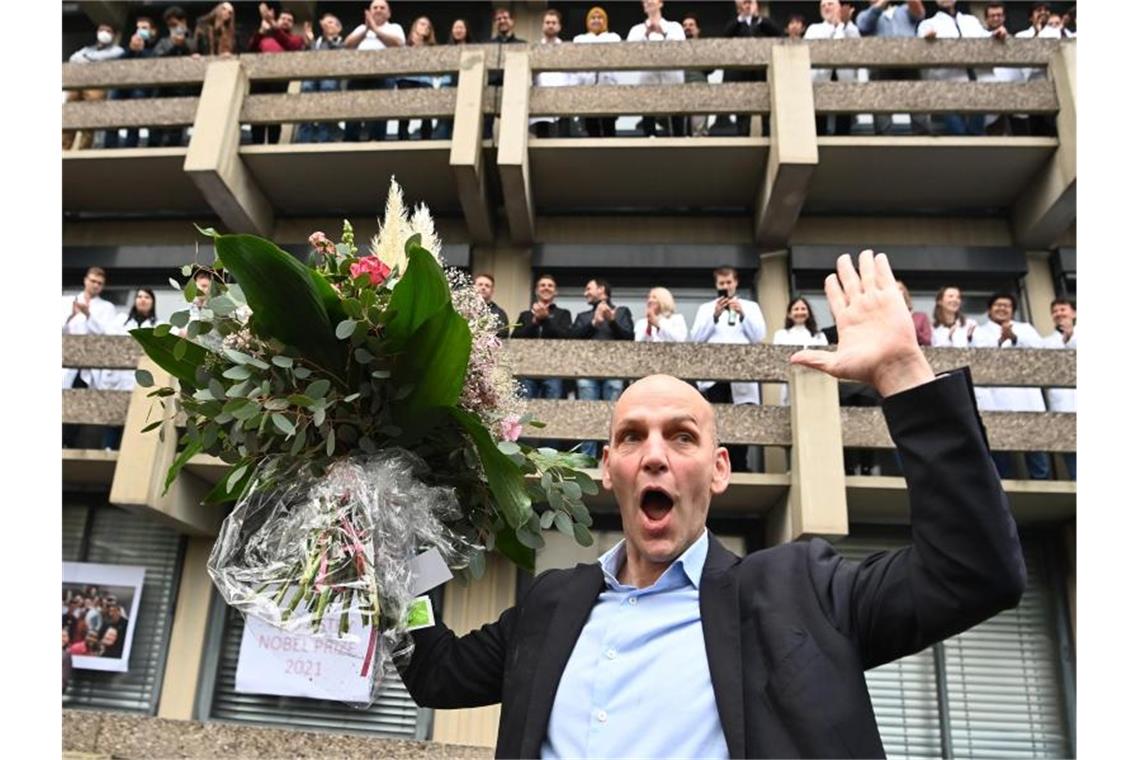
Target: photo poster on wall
<point x="288" y="664"/>
<point x="100" y="607"/>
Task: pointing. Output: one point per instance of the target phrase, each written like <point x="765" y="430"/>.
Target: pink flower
<point x="321" y="243"/>
<point x="511" y="428"/>
<point x="376" y="269"/>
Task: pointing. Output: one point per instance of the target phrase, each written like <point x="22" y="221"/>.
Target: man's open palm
<point x="877" y="342"/>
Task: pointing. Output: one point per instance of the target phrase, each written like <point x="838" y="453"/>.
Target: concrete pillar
<point x="514" y="136"/>
<point x="773" y="294"/>
<point x="817" y="498"/>
<point x="466" y="158"/>
<point x="187" y="634"/>
<point x="465" y="608"/>
<point x="212" y="159"/>
<point x="1039" y="292"/>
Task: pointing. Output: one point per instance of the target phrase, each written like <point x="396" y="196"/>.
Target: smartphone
<point x="722" y="293"/>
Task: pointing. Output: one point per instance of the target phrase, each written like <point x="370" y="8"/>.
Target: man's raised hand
<point x="877" y="342"/>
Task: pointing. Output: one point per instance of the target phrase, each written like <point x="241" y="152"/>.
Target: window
<point x="97" y="532"/>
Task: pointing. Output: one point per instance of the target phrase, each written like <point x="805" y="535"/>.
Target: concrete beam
<point x="513" y="159"/>
<point x="212" y="159"/>
<point x="817" y="497"/>
<point x="466" y="158"/>
<point x="794" y="153"/>
<point x="144" y="459"/>
<point x="773" y="295"/>
<point x="1048" y="206"/>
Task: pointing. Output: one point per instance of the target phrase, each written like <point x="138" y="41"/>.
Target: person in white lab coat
<point x="1064" y="313"/>
<point x="833" y="27"/>
<point x="661" y="323"/>
<point x="950" y="23"/>
<point x="1034" y="125"/>
<point x="1002" y="331"/>
<point x="86" y="314"/>
<point x="952" y="328"/>
<point x="549" y="126"/>
<point x="598" y="30"/>
<point x="729" y="319"/>
<point x="656" y="28"/>
<point x="799" y="329"/>
<point x="142" y="314"/>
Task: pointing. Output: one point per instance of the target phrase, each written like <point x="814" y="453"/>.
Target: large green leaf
<point x="507" y="544"/>
<point x="434" y="364"/>
<point x="286" y="301"/>
<point x="160" y="348"/>
<point x="180" y="461"/>
<point x="221" y="492"/>
<point x="503" y="476"/>
<point x="421" y="292"/>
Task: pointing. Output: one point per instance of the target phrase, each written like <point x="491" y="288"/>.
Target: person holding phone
<point x="729" y="319"/>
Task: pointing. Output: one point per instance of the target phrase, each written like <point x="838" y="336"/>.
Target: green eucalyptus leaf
<point x="345" y="329"/>
<point x="585" y="483"/>
<point x="190" y="290"/>
<point x="580" y="514"/>
<point x="318" y="388"/>
<point x="179" y="462"/>
<point x="301" y="400"/>
<point x="301" y="372"/>
<point x="351" y="397"/>
<point x="582" y="535"/>
<point x="282" y="361"/>
<point x="363" y="356"/>
<point x="180" y="318"/>
<point x="508" y="545"/>
<point x="529" y="538"/>
<point x="238" y="372"/>
<point x="283" y="423"/>
<point x="547" y="519"/>
<point x="161" y="329"/>
<point x="509" y="447"/>
<point x="571" y="490"/>
<point x="319" y="418"/>
<point x="235" y="476"/>
<point x="277" y="404"/>
<point x="144" y="378"/>
<point x="477" y="565"/>
<point x="564" y="524"/>
<point x="217" y="390"/>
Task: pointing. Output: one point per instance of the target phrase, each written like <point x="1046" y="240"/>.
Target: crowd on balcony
<point x="94" y="623"/>
<point x="218" y="33"/>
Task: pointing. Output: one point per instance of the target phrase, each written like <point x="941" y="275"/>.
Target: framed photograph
<point x="100" y="605"/>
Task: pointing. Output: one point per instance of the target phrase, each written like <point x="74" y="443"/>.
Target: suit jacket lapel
<point x="561" y="635"/>
<point x="720" y="623"/>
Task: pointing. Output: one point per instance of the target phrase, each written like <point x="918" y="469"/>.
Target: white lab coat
<point x="823" y="30"/>
<point x="673" y="32"/>
<point x="749" y="329"/>
<point x="552" y="79"/>
<point x="100" y="322"/>
<point x="123" y="379"/>
<point x="1009" y="399"/>
<point x="1061" y="399"/>
<point x="942" y="337"/>
<point x="944" y="27"/>
<point x="596" y="77"/>
<point x="670" y="329"/>
<point x="796" y="335"/>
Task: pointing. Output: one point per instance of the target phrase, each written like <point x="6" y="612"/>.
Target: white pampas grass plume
<point x="388" y="244"/>
<point x="423" y="225"/>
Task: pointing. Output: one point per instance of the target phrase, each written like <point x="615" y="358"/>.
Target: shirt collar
<point x="692" y="561"/>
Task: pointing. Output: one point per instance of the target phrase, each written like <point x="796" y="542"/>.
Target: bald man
<point x="672" y="646"/>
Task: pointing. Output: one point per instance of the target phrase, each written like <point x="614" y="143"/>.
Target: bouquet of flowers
<point x="367" y="418"/>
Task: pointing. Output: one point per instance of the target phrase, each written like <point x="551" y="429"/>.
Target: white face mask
<point x="104" y="37"/>
<point x="1049" y="32"/>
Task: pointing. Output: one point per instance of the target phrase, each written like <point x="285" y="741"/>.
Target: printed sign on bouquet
<point x="100" y="606"/>
<point x="328" y="666"/>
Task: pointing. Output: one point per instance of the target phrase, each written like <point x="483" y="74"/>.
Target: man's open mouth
<point x="656" y="502"/>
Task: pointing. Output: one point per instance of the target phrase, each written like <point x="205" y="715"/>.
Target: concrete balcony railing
<point x="812" y="497"/>
<point x="775" y="177"/>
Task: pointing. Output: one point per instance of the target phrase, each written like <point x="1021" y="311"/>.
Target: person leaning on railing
<point x="697" y="125"/>
<point x="1064" y="313"/>
<point x="884" y="19"/>
<point x="273" y="35"/>
<point x="420" y="34"/>
<point x="950" y="23"/>
<point x="550" y="126"/>
<point x="175" y="44"/>
<point x="598" y="30"/>
<point x="662" y="322"/>
<point x="104" y="49"/>
<point x="951" y="328"/>
<point x="746" y="23"/>
<point x="329" y="39"/>
<point x="378" y="32"/>
<point x="460" y="35"/>
<point x="656" y="28"/>
<point x="216" y="32"/>
<point x="141" y="45"/>
<point x="800" y="329"/>
<point x="833" y="26"/>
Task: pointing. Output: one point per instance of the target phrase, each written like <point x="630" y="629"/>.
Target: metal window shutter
<point x="1002" y="681"/>
<point x="904" y="693"/>
<point x="122" y="538"/>
<point x="393" y="714"/>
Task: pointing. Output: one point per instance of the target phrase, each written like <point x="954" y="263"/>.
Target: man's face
<point x="380" y="11"/>
<point x="651" y="6"/>
<point x="144" y="28"/>
<point x="1001" y="311"/>
<point x="551" y="26"/>
<point x="726" y="282"/>
<point x="946" y="5"/>
<point x="746" y="8"/>
<point x="995" y="18"/>
<point x="1064" y="315"/>
<point x="503" y="22"/>
<point x="829" y="10"/>
<point x="330" y="26"/>
<point x="594" y="293"/>
<point x="663" y="465"/>
<point x="114" y="612"/>
<point x="545" y="289"/>
<point x="285" y="22"/>
<point x="93" y="285"/>
<point x="203" y="283"/>
<point x="484" y="287"/>
<point x="1039" y="15"/>
<point x="1055" y="21"/>
<point x="692" y="31"/>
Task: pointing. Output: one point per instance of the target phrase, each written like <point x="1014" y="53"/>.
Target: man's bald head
<point x="655" y="388"/>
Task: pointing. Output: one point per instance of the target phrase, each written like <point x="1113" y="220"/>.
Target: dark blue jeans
<point x="324" y="131"/>
<point x="957" y="124"/>
<point x="1036" y="462"/>
<point x="364" y="131"/>
<point x="111" y="137"/>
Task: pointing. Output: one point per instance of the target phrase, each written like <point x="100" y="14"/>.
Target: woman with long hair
<point x="420" y="34"/>
<point x="460" y="35"/>
<point x="922" y="328"/>
<point x="141" y="314"/>
<point x="800" y="329"/>
<point x="951" y="328"/>
<point x="661" y="323"/>
<point x="216" y="32"/>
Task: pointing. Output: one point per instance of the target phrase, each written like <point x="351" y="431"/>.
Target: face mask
<point x="1050" y="32"/>
<point x="178" y="31"/>
<point x="104" y="37"/>
<point x="144" y="34"/>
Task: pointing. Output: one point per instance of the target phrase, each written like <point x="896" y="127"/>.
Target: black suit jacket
<point x="761" y="27"/>
<point x="788" y="630"/>
<point x="504" y="322"/>
<point x="557" y="325"/>
<point x="621" y="328"/>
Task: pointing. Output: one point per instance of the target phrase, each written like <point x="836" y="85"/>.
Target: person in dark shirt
<point x="141" y="45"/>
<point x="485" y="287"/>
<point x="175" y="43"/>
<point x="543" y="320"/>
<point x="602" y="321"/>
<point x="746" y="23"/>
<point x="113" y="646"/>
<point x="274" y="35"/>
<point x="504" y="26"/>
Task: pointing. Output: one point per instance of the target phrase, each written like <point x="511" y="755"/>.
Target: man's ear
<point x="606" y="482"/>
<point x="722" y="471"/>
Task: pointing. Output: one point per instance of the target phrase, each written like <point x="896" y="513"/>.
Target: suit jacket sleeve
<point x="965" y="563"/>
<point x="558" y="325"/>
<point x="768" y="28"/>
<point x="623" y="324"/>
<point x="526" y="328"/>
<point x="583" y="327"/>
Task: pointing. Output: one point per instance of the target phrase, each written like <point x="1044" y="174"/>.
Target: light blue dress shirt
<point x="637" y="683"/>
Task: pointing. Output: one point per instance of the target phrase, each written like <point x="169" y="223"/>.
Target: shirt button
<point x="611" y="654"/>
<point x="602" y="716"/>
<point x="633" y="600"/>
